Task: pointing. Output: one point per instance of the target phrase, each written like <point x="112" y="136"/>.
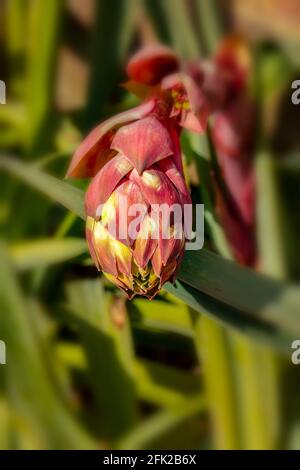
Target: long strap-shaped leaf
<point x="253" y="296"/>
<point x="64" y="193"/>
<point x="241" y="288"/>
<point x="254" y="328"/>
<point x="29" y="386"/>
<point x="45" y="252"/>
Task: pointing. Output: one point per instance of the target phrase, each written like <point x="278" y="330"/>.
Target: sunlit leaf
<point x="45" y="252"/>
<point x="160" y="423"/>
<point x="61" y="192"/>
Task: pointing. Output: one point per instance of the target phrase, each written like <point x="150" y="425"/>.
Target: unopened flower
<point x="132" y="231"/>
<point x="233" y="133"/>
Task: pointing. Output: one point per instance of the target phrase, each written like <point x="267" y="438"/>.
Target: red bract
<point x="95" y="150"/>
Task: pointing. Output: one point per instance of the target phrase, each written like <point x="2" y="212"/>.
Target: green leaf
<point x="204" y="304"/>
<point x="159" y="424"/>
<point x="252" y="294"/>
<point x="64" y="193"/>
<point x="156" y="383"/>
<point x="29" y="385"/>
<point x="5" y="415"/>
<point x="270" y="218"/>
<point x="159" y="314"/>
<point x="164" y="385"/>
<point x="160" y="21"/>
<point x="209" y="20"/>
<point x="15" y="22"/>
<point x="216" y="361"/>
<point x="113" y="30"/>
<point x="45" y="252"/>
<point x="110" y="356"/>
<point x="257" y="374"/>
<point x="173" y="24"/>
<point x="43" y="32"/>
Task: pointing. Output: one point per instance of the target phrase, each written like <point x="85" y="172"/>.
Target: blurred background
<point x="207" y="364"/>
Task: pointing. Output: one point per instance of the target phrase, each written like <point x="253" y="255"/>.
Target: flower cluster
<point x="136" y="156"/>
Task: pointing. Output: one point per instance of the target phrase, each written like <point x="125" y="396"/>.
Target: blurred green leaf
<point x="36" y="253"/>
<point x="209" y="21"/>
<point x="59" y="191"/>
<point x="160" y="423"/>
<point x="181" y="29"/>
<point x="109" y="357"/>
<point x="162" y="315"/>
<point x="256" y="371"/>
<point x="157" y="384"/>
<point x="230" y="317"/>
<point x="112" y="33"/>
<point x="5" y="424"/>
<point x="45" y="330"/>
<point x="212" y="345"/>
<point x="29" y="387"/>
<point x="164" y="385"/>
<point x="270" y="214"/>
<point x="15" y="22"/>
<point x="43" y="30"/>
<point x="274" y="63"/>
<point x="258" y="296"/>
<point x="154" y="9"/>
<point x="71" y="354"/>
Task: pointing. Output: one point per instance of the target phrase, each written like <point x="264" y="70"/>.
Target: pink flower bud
<point x="135" y="209"/>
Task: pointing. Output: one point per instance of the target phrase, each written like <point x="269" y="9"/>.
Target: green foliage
<point x="86" y="368"/>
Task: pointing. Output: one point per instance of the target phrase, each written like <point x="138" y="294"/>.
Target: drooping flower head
<point x="132" y="202"/>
